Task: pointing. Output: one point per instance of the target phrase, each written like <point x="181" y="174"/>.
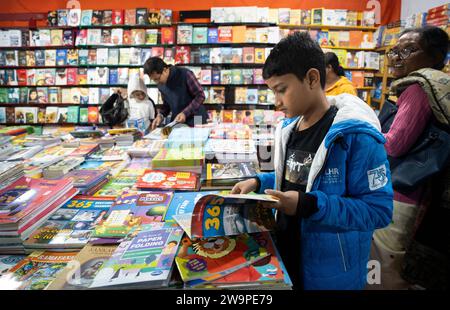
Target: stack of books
<point x="70" y="227"/>
<point x="225" y="176"/>
<point x="10" y="172"/>
<point x="146" y="148"/>
<point x="87" y="181"/>
<point x="25" y="205"/>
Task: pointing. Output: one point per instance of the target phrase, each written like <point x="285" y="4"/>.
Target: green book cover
<point x="72" y="114"/>
<point x="200" y="35"/>
<point x="83" y="115"/>
<point x="178" y="157"/>
<point x="3" y="95"/>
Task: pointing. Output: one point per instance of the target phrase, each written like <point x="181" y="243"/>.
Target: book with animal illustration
<point x="216" y="257"/>
<point x="226" y="215"/>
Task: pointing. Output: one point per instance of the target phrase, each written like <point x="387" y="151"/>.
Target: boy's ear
<point x="313" y="78"/>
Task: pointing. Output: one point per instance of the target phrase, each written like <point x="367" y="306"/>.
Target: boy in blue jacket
<point x="331" y="174"/>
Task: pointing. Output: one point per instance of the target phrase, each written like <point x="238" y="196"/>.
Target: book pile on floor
<point x="125" y="211"/>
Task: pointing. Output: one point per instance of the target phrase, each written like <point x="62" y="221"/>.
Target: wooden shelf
<point x="366" y="88"/>
<point x="383" y="48"/>
<point x="228" y="24"/>
<point x="359" y="69"/>
<point x="219" y="44"/>
<point x="50" y="47"/>
<point x="348" y="48"/>
<point x="125" y="85"/>
<point x="328" y="27"/>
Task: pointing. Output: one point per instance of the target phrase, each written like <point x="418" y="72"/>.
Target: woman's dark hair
<point x="434" y="43"/>
<point x="295" y="54"/>
<point x="332" y="60"/>
<point x="154" y="64"/>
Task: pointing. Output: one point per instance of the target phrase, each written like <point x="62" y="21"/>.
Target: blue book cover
<point x="113" y="76"/>
<point x="215" y="76"/>
<point x="204" y="55"/>
<point x="61" y="57"/>
<point x="184" y="202"/>
<point x="213" y="35"/>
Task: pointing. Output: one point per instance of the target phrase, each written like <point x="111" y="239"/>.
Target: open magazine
<point x="227" y="215"/>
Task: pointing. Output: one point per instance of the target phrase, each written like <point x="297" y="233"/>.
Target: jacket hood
<point x="353" y="116"/>
<point x="136" y="83"/>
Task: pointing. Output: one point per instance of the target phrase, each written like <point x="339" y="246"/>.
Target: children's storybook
<point x="227" y="215"/>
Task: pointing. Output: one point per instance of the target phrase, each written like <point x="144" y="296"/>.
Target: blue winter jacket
<point x="350" y="177"/>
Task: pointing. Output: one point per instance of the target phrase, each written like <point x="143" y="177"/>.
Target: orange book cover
<point x="356" y="38"/>
<point x="358" y="78"/>
<point x="239" y="34"/>
<point x="173" y="180"/>
<point x="93" y="114"/>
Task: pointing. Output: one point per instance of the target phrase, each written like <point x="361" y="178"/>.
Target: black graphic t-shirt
<point x="301" y="149"/>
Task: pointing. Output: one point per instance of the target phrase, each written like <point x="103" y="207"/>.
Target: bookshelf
<point x="221" y="54"/>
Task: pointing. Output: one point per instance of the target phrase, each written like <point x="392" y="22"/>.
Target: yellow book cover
<point x="259" y="55"/>
<point x="294" y="17"/>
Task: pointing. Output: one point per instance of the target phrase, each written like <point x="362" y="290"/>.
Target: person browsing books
<point x="336" y="82"/>
<point x="181" y="92"/>
<point x="141" y="107"/>
<point x="331" y="175"/>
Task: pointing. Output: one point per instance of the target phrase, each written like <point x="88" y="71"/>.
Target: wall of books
<point x="63" y="72"/>
<point x="386" y="36"/>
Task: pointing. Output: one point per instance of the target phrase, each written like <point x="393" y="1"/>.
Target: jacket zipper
<point x="342" y="252"/>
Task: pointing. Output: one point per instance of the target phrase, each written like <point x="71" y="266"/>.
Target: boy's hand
<point x="245" y="187"/>
<point x="287" y="201"/>
<point x="181" y="118"/>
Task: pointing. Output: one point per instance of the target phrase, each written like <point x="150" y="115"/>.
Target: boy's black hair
<point x="434" y="42"/>
<point x="296" y="54"/>
<point x="332" y="60"/>
<point x="154" y="64"/>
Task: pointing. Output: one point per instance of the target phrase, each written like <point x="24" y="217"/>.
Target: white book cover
<point x="94" y="36"/>
<point x="102" y="75"/>
<point x="94" y="95"/>
<point x="123" y="75"/>
<point x="273" y="35"/>
<point x="74" y="17"/>
<point x="15" y="37"/>
<point x="92" y="76"/>
<point x="217" y="15"/>
<point x="262" y="14"/>
<point x="4" y="38"/>
<point x="135" y="56"/>
<point x="51" y="114"/>
<point x="113" y="56"/>
<point x="341" y="17"/>
<point x="262" y="35"/>
<point x="61" y="76"/>
<point x="328" y="17"/>
<point x="372" y="60"/>
<point x="124" y="56"/>
<point x="102" y="56"/>
<point x="75" y="95"/>
<point x="66" y="95"/>
<point x="248" y="14"/>
<point x="45" y="38"/>
<point x="117" y="36"/>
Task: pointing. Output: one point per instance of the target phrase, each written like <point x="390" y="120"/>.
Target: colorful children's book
<point x="80" y="273"/>
<point x="70" y="227"/>
<point x="178" y="157"/>
<point x="36" y="271"/>
<point x="217" y="257"/>
<point x="184" y="202"/>
<point x="7" y="262"/>
<point x="228" y="214"/>
<point x="167" y="180"/>
<point x="144" y="261"/>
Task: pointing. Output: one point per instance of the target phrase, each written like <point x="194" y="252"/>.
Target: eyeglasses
<point x="403" y="53"/>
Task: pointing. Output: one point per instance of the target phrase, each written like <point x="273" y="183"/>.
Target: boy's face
<point x="292" y="96"/>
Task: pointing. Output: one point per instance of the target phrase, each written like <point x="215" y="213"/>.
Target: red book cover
<point x="225" y="34"/>
<point x="130" y="17"/>
<point x="93" y="114"/>
<point x="26" y="194"/>
<point x="71" y="76"/>
<point x="444" y="7"/>
<point x="117" y="17"/>
<point x="182" y="54"/>
<point x="167" y="35"/>
<point x="155" y="179"/>
<point x="22" y="77"/>
<point x="157" y="52"/>
<point x="126" y="37"/>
